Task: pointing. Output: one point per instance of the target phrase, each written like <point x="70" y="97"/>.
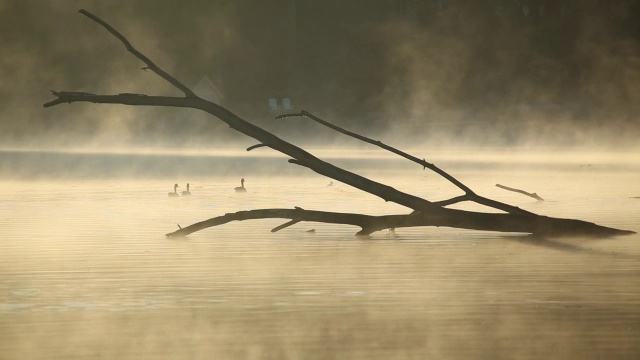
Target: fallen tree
<point x="425" y="212"/>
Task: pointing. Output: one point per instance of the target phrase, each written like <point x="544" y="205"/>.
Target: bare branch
<point x="533" y="195"/>
<point x="125" y="99"/>
<point x="300" y="156"/>
<point x="470" y="194"/>
<point x="285" y="225"/>
<point x="425" y="212"/>
<point x="255" y="146"/>
<point x="150" y="65"/>
<point x="540" y="225"/>
<point x="452" y="201"/>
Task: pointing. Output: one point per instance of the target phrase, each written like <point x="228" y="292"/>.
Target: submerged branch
<point x="539" y="225"/>
<point x="533" y="195"/>
<point x="297" y="214"/>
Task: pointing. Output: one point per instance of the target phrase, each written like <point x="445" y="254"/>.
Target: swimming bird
<point x="241" y="188"/>
<point x="187" y="192"/>
<point x="175" y="191"/>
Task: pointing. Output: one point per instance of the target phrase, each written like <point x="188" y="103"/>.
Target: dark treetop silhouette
<point x="425" y="213"/>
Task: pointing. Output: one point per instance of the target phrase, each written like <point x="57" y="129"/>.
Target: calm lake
<point x="86" y="271"/>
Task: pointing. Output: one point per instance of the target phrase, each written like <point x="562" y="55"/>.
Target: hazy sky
<point x="384" y="63"/>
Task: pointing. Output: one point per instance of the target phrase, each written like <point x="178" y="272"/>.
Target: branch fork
<point x="424" y="212"/>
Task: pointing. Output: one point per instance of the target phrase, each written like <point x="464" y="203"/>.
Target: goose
<point x="241" y="188"/>
<point x="175" y="192"/>
<point x="187" y="192"/>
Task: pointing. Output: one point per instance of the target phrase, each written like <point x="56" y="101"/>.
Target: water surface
<point x="86" y="271"/>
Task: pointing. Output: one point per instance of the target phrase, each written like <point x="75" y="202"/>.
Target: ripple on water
<point x="94" y="252"/>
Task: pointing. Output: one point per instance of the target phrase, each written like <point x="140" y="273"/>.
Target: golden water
<point x="86" y="271"/>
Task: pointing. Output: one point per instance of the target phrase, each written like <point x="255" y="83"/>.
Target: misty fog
<point x="446" y="73"/>
<point x="538" y="95"/>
